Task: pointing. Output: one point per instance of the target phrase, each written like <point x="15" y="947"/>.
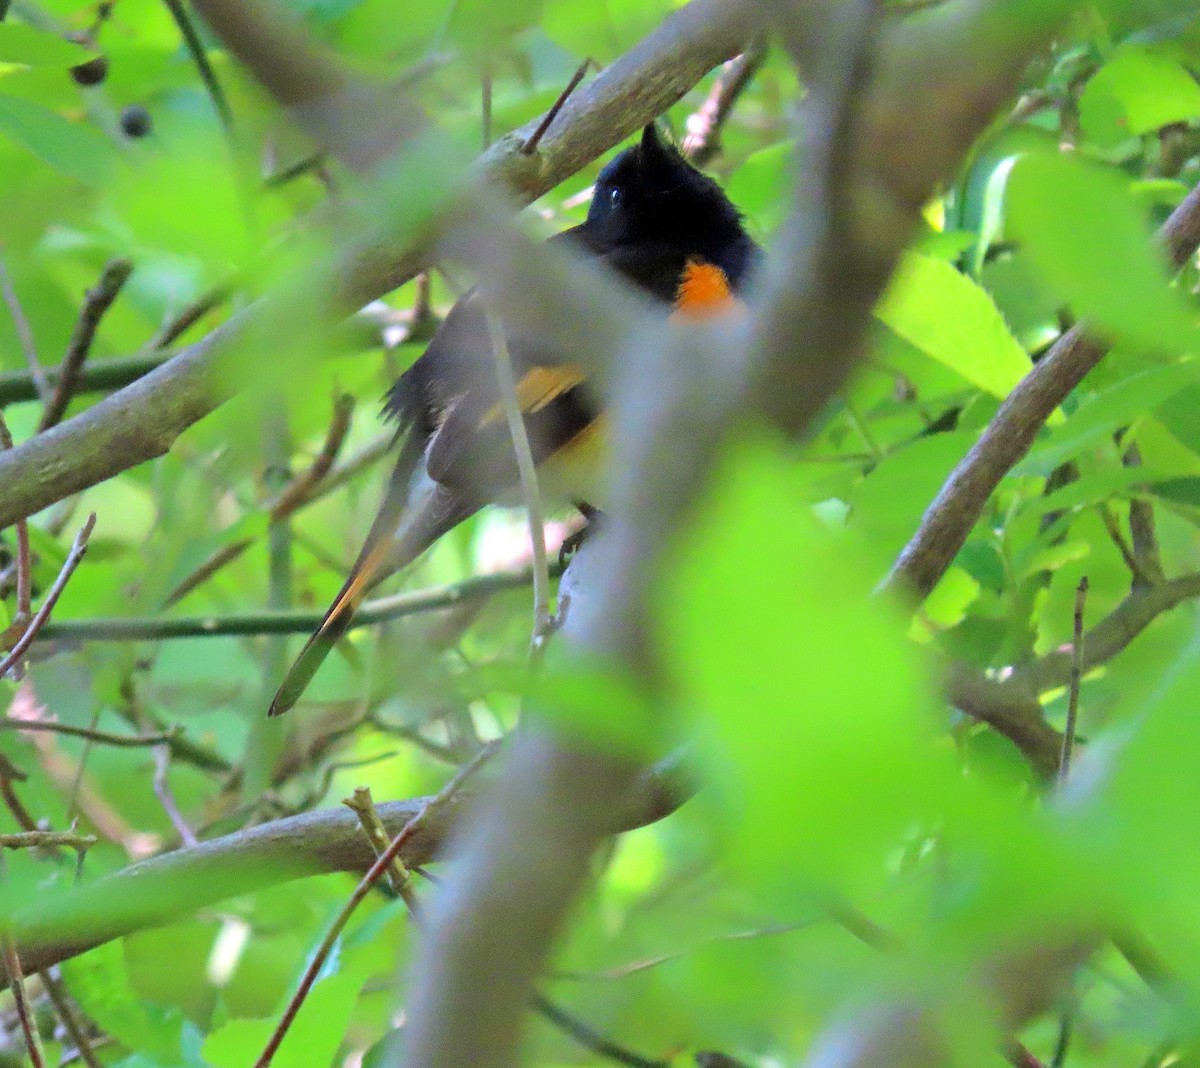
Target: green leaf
<point x="1138" y="91"/>
<point x="950" y="318"/>
<point x="99" y="981"/>
<point x="1111" y="274"/>
<point x="837" y="762"/>
<point x="36" y="48"/>
<point x="1100" y="415"/>
<point x="74" y="149"/>
<point x="313" y="1039"/>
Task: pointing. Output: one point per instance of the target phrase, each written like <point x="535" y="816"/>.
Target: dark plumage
<point x="655" y="220"/>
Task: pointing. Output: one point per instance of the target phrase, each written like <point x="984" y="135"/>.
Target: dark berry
<point x="93" y="72"/>
<point x="135" y="121"/>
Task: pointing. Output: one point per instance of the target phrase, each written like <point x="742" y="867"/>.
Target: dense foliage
<point x="865" y="827"/>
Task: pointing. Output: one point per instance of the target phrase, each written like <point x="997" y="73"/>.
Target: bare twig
<point x="75" y="1027"/>
<point x="1142" y="528"/>
<point x="12" y="964"/>
<point x="542" y="620"/>
<point x="1064" y="764"/>
<point x="305" y="488"/>
<point x="534" y="139"/>
<point x="166" y="797"/>
<point x="589" y="1039"/>
<point x="122" y="741"/>
<point x="78" y="549"/>
<point x="98" y="300"/>
<point x="24" y="557"/>
<point x="1109" y="637"/>
<point x="188" y="317"/>
<point x="195" y="49"/>
<point x="302" y="486"/>
<point x="703" y="139"/>
<point x="39" y="839"/>
<point x="368" y="881"/>
<point x="363" y="806"/>
<point x="24" y="330"/>
<point x="485" y="105"/>
<point x="380" y="610"/>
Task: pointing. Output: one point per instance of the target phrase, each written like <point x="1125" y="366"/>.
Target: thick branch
<point x="953" y="514"/>
<point x="1008" y="708"/>
<point x="157" y="891"/>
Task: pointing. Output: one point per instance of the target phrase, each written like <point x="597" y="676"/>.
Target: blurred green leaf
<point x="1111" y="274"/>
<point x="36" y="48"/>
<point x="98" y="980"/>
<point x="839" y="761"/>
<point x="73" y="148"/>
<point x="1139" y="90"/>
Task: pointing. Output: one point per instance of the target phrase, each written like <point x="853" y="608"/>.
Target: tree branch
<point x="98" y="300"/>
<point x="949" y="520"/>
<point x="57" y="926"/>
<point x="380" y="610"/>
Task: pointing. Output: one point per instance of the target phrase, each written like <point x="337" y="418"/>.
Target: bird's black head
<point x="651" y="194"/>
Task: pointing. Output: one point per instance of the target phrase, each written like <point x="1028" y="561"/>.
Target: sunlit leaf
<point x="950" y="318"/>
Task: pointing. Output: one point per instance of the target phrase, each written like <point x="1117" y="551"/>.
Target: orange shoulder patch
<point x="703" y="291"/>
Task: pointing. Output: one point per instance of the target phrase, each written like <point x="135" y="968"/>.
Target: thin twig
<point x="16" y="983"/>
<point x="535" y="138"/>
<point x="78" y="549"/>
<point x="166" y="797"/>
<point x="368" y="881"/>
<point x="23" y="329"/>
<point x="122" y="741"/>
<point x="1113" y="529"/>
<point x="195" y="49"/>
<point x="39" y="839"/>
<point x="1064" y="764"/>
<point x="24" y="556"/>
<point x="590" y="1039"/>
<point x="304" y="489"/>
<point x="61" y="1001"/>
<point x="703" y="139"/>
<point x="188" y="317"/>
<point x="363" y="806"/>
<point x="485" y="105"/>
<point x="543" y="622"/>
<point x="97" y="301"/>
<point x="300" y="488"/>
<point x="1142" y="527"/>
<point x="380" y="610"/>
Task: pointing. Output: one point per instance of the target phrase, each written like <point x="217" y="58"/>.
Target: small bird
<point x="654" y="219"/>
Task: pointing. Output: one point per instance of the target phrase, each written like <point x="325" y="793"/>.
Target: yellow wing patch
<point x="537" y="388"/>
<point x="703" y="291"/>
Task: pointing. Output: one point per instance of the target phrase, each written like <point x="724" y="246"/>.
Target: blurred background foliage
<point x="855" y="833"/>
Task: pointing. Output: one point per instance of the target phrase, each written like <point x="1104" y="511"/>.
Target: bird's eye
<point x="614" y="196"/>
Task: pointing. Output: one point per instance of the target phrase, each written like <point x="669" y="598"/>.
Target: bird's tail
<point x="414" y="515"/>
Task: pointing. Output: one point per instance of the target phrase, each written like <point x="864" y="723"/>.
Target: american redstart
<point x="656" y="221"/>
